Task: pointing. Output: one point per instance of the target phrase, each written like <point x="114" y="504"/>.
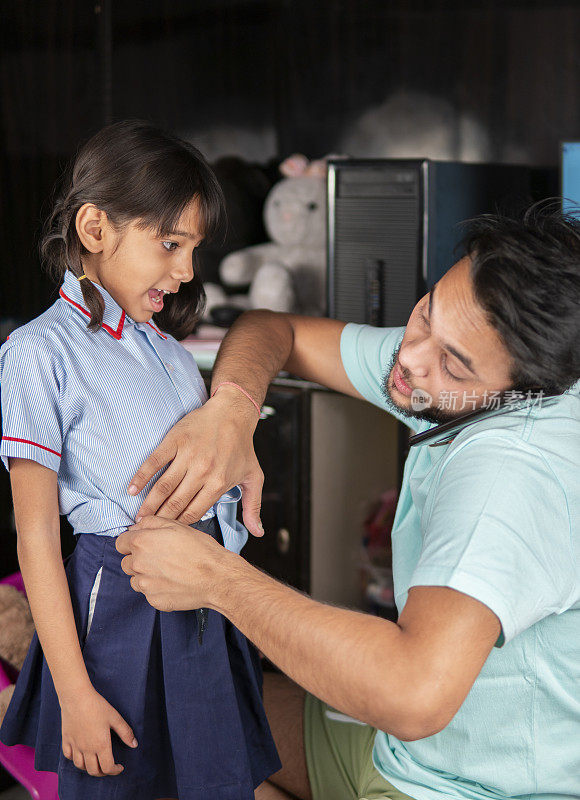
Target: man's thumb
<point x="251" y="504"/>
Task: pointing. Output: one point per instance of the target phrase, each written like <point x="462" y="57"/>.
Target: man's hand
<point x="209" y="451"/>
<point x="176" y="567"/>
<point x="407" y="678"/>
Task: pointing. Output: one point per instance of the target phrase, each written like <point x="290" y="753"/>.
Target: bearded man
<point x="473" y="692"/>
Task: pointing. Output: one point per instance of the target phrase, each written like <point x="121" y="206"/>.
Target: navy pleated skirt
<point x="196" y="710"/>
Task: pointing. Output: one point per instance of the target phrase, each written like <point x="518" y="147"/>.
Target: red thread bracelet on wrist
<point x="243" y="391"/>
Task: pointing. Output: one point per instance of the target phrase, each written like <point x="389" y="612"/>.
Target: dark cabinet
<point x="281" y="444"/>
<point x="326" y="458"/>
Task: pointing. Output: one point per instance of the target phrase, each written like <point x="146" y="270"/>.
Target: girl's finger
<point x="107" y="762"/>
<point x="123" y="730"/>
<point x="92" y="765"/>
<point x="67" y="750"/>
<point x="78" y="759"/>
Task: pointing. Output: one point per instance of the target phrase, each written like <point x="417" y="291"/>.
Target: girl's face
<point x="137" y="267"/>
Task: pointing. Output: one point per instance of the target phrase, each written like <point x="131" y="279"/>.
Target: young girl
<point x="121" y="700"/>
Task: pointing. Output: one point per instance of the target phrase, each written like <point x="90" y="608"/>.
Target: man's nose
<point x="416" y="356"/>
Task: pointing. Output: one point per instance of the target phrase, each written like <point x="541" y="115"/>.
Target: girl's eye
<point x="170" y="246"/>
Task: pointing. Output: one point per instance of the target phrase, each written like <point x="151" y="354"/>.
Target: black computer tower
<point x="394" y="226"/>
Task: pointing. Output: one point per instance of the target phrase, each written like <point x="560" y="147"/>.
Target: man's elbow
<point x="419" y="729"/>
<point x="418" y="717"/>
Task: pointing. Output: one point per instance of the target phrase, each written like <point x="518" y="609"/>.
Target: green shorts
<point x="339" y="757"/>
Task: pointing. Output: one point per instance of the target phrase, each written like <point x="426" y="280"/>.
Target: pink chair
<point x="19" y="760"/>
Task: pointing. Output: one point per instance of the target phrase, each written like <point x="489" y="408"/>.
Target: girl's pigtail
<point x="61" y="250"/>
<point x="95" y="303"/>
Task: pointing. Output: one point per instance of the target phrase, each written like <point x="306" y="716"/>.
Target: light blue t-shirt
<point x="495" y="514"/>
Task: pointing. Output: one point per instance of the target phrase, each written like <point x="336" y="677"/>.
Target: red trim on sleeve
<point x="115" y="334"/>
<point x="26" y="441"/>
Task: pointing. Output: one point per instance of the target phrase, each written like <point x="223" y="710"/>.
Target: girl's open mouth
<point x="156" y="298"/>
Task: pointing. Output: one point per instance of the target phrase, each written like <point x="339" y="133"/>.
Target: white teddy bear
<point x="288" y="273"/>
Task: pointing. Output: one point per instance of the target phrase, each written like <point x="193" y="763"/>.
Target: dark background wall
<point x="263" y="78"/>
<point x="475" y="80"/>
<point x="260" y="79"/>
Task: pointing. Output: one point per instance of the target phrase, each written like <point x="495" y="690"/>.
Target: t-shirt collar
<point x="114" y="317"/>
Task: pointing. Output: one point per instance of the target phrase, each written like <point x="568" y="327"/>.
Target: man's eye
<point x="446" y="370"/>
<point x="170" y="246"/>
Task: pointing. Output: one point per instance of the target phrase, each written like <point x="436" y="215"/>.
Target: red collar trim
<point x="116" y="334"/>
<point x="156" y="330"/>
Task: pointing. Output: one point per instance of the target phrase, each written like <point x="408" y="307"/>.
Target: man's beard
<point x="431" y="414"/>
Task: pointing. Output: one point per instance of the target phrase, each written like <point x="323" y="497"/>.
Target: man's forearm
<point x="357" y="663"/>
<point x="254" y="351"/>
<point x="408" y="678"/>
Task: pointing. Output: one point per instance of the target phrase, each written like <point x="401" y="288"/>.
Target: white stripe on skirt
<point x="93" y="599"/>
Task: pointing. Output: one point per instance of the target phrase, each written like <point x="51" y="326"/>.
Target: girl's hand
<point x="208" y="451"/>
<point x="86" y="734"/>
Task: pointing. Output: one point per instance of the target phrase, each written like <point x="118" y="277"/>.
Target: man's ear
<point x="91" y="223"/>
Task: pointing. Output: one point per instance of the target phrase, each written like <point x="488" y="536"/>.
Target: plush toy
<point x="16" y="630"/>
<point x="288" y="273"/>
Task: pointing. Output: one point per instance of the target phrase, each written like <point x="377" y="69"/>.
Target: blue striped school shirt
<point x="93" y="405"/>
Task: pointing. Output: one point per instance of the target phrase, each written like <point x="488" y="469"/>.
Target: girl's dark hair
<point x="526" y="276"/>
<point x="134" y="172"/>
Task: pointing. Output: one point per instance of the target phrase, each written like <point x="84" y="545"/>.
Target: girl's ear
<point x="90" y="224"/>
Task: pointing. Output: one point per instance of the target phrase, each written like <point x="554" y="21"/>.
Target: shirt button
<point x="169" y="366"/>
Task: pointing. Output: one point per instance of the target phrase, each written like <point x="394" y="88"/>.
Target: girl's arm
<point x="86" y="716"/>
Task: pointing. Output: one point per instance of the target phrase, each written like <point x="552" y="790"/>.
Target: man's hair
<point x="526" y="276"/>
